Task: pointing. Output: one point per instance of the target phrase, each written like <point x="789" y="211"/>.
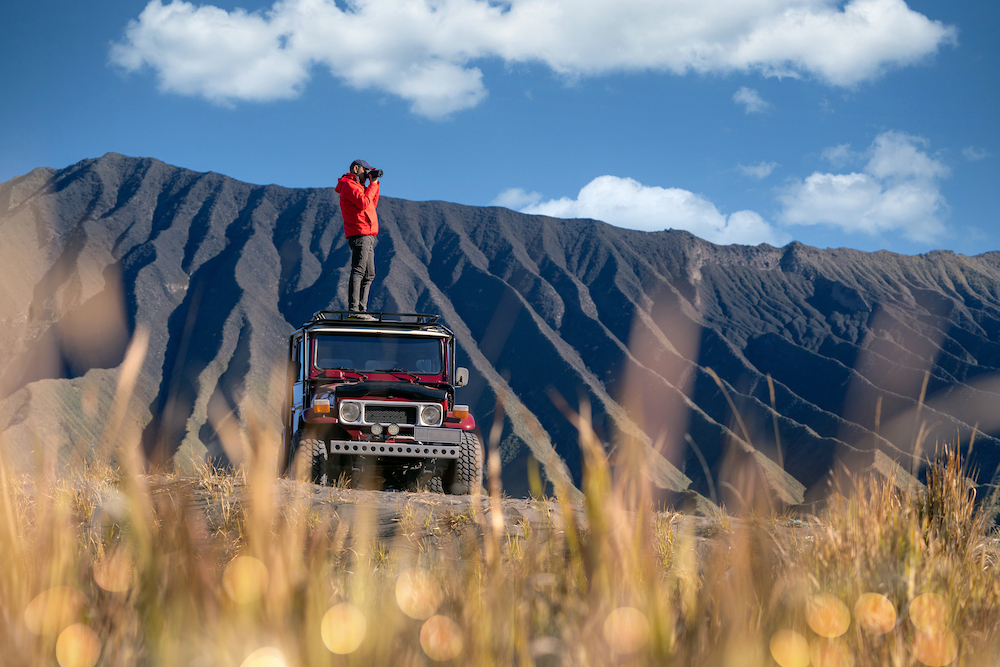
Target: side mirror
<point x="461" y="376"/>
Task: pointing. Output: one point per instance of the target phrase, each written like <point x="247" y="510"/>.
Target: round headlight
<point x="431" y="415"/>
<point x="376" y="429"/>
<point x="392" y="429"/>
<point x="350" y="411"/>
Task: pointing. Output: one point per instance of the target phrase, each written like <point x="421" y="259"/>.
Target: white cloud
<point x="424" y="51"/>
<point x="209" y="52"/>
<point x="973" y="154"/>
<point x="897" y="157"/>
<point x="760" y="171"/>
<point x="624" y="202"/>
<point x="516" y="198"/>
<point x="897" y="191"/>
<point x="751" y="100"/>
<point x="840" y="156"/>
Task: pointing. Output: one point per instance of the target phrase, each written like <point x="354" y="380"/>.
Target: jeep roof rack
<point x="343" y="316"/>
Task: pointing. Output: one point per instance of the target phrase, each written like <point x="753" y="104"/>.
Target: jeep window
<point x="379" y="352"/>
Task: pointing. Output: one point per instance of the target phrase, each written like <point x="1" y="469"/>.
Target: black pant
<point x="362" y="271"/>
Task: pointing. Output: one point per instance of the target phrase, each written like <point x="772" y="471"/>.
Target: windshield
<point x="379" y="352"/>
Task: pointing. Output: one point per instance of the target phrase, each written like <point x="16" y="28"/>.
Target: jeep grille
<point x="385" y="414"/>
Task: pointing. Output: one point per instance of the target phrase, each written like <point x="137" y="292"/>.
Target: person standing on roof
<point x="357" y="205"/>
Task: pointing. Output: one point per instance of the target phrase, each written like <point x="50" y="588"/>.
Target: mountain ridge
<point x="637" y="324"/>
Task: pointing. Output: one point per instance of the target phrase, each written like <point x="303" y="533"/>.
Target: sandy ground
<point x="411" y="523"/>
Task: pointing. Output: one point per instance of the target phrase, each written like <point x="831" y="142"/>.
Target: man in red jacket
<point x="357" y="204"/>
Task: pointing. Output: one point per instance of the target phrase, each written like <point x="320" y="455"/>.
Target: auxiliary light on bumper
<point x="391" y="429"/>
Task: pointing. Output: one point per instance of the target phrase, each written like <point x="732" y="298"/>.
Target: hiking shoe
<point x="361" y="316"/>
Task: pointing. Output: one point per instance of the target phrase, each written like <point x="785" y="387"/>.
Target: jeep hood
<point x="390" y="389"/>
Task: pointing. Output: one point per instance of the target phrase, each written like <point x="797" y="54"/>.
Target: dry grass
<point x="106" y="568"/>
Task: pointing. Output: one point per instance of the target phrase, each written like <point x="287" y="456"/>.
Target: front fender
<point x="467" y="423"/>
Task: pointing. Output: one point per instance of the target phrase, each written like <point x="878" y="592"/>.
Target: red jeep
<point x="372" y="402"/>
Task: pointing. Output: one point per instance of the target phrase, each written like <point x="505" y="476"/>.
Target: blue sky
<point x="870" y="124"/>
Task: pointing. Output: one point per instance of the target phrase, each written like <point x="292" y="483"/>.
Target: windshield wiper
<point x="400" y="371"/>
<point x="344" y="369"/>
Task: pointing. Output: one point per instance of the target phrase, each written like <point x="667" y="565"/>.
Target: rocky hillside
<point x="869" y="354"/>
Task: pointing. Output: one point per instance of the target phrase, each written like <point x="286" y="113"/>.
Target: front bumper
<point x="434" y="450"/>
<point x="428" y="442"/>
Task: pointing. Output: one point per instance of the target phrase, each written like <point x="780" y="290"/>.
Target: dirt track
<point x="402" y="521"/>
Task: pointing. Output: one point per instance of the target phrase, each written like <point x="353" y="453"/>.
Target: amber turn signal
<point x="461" y="411"/>
<point x="321" y="405"/>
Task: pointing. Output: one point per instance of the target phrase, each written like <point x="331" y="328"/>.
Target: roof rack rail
<point x="383" y="318"/>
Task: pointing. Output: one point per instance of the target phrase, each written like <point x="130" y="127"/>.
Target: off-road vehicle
<point x="372" y="402"/>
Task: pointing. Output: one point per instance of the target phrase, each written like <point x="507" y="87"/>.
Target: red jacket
<point x="357" y="204"/>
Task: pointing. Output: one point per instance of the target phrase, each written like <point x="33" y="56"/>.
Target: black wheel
<point x="311" y="459"/>
<point x="464" y="475"/>
<point x="284" y="455"/>
<point x="435" y="486"/>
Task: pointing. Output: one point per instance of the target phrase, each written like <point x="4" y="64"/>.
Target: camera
<point x="373" y="173"/>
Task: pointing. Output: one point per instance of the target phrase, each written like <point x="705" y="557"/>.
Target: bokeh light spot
<point x="53" y="610"/>
<point x="115" y="573"/>
<point x="875" y="613"/>
<point x="78" y="646"/>
<point x="417" y="594"/>
<point x="830" y="653"/>
<point x="245" y="579"/>
<point x="929" y="612"/>
<point x="935" y="648"/>
<point x="827" y="615"/>
<point x="343" y="628"/>
<point x="790" y="649"/>
<point x="626" y="630"/>
<point x="265" y="657"/>
<point x="441" y="638"/>
<point x="742" y="651"/>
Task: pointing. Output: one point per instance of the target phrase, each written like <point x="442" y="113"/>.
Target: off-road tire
<point x="434" y="486"/>
<point x="469" y="471"/>
<point x="465" y="475"/>
<point x="312" y="459"/>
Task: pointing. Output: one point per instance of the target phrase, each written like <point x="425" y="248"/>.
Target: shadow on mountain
<point x="734" y="368"/>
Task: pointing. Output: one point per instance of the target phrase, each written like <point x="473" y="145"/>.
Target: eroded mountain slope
<point x="638" y="325"/>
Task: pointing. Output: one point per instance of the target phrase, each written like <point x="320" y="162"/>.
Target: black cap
<point x="362" y="163"/>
